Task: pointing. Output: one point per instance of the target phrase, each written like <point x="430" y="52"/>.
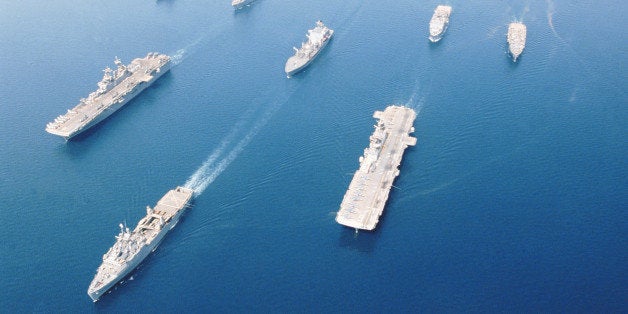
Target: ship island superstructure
<point x="317" y="39"/>
<point x="131" y="247"/>
<point x="116" y="88"/>
<point x="239" y="4"/>
<point x="516" y="39"/>
<point x="439" y="22"/>
<point x="364" y="201"/>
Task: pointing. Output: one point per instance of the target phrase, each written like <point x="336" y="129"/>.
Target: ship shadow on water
<point x="436" y="46"/>
<point x="167" y="2"/>
<point x="362" y="240"/>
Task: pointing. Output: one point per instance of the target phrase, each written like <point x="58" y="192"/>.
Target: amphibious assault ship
<point x="131" y="247"/>
<point x="317" y="39"/>
<point x="368" y="191"/>
<point x="439" y="22"/>
<point x="516" y="39"/>
<point x="115" y="89"/>
<point x="238" y="4"/>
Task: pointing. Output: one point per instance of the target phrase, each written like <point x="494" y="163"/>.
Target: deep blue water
<point x="514" y="199"/>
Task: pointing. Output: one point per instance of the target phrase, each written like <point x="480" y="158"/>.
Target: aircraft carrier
<point x="239" y="4"/>
<point x="516" y="39"/>
<point x="317" y="39"/>
<point x="439" y="22"/>
<point x="115" y="89"/>
<point x="131" y="247"/>
<point x="368" y="191"/>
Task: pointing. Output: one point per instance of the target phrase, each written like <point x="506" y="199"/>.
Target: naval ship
<point x="239" y="4"/>
<point x="317" y="39"/>
<point x="439" y="22"/>
<point x="131" y="247"/>
<point x="115" y="89"/>
<point x="516" y="39"/>
<point x="368" y="191"/>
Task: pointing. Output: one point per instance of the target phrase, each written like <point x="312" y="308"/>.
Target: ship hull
<point x="295" y="64"/>
<point x="516" y="39"/>
<point x="439" y="36"/>
<point x="241" y="4"/>
<point x="514" y="56"/>
<point x="114" y="107"/>
<point x="141" y="255"/>
<point x="368" y="191"/>
<point x="132" y="264"/>
<point x="439" y="23"/>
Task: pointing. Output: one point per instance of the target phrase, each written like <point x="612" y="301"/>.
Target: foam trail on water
<point x="183" y="53"/>
<point x="201" y="174"/>
<point x="178" y="56"/>
<point x="213" y="167"/>
<point x="414" y="102"/>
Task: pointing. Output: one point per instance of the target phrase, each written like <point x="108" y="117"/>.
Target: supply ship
<point x="238" y="4"/>
<point x="114" y="90"/>
<point x="516" y="39"/>
<point x="131" y="247"/>
<point x="368" y="191"/>
<point x="317" y="39"/>
<point x="439" y="22"/>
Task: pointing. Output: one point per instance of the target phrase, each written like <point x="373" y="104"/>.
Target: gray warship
<point x="516" y="39"/>
<point x="131" y="247"/>
<point x="368" y="191"/>
<point x="317" y="39"/>
<point x="439" y="22"/>
<point x="114" y="90"/>
<point x="239" y="4"/>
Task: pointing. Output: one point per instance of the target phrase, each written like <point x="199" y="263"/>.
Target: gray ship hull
<point x="298" y="64"/>
<point x="239" y="5"/>
<point x="318" y="38"/>
<point x="141" y="255"/>
<point x="436" y="38"/>
<point x="369" y="189"/>
<point x="516" y="39"/>
<point x="102" y="109"/>
<point x="98" y="287"/>
<point x="115" y="107"/>
<point x="439" y="22"/>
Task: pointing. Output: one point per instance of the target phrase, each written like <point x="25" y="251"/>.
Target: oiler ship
<point x="317" y="39"/>
<point x="132" y="247"/>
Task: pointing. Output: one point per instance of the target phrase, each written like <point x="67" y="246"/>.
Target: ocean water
<point x="514" y="199"/>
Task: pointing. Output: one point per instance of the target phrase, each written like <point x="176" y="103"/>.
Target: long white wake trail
<point x="414" y="101"/>
<point x="220" y="159"/>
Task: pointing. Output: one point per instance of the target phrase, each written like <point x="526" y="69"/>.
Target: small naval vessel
<point x="239" y="4"/>
<point x="317" y="39"/>
<point x="516" y="39"/>
<point x="131" y="247"/>
<point x="115" y="89"/>
<point x="368" y="191"/>
<point x="439" y="22"/>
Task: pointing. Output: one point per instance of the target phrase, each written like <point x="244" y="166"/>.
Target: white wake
<point x="222" y="156"/>
<point x="183" y="53"/>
